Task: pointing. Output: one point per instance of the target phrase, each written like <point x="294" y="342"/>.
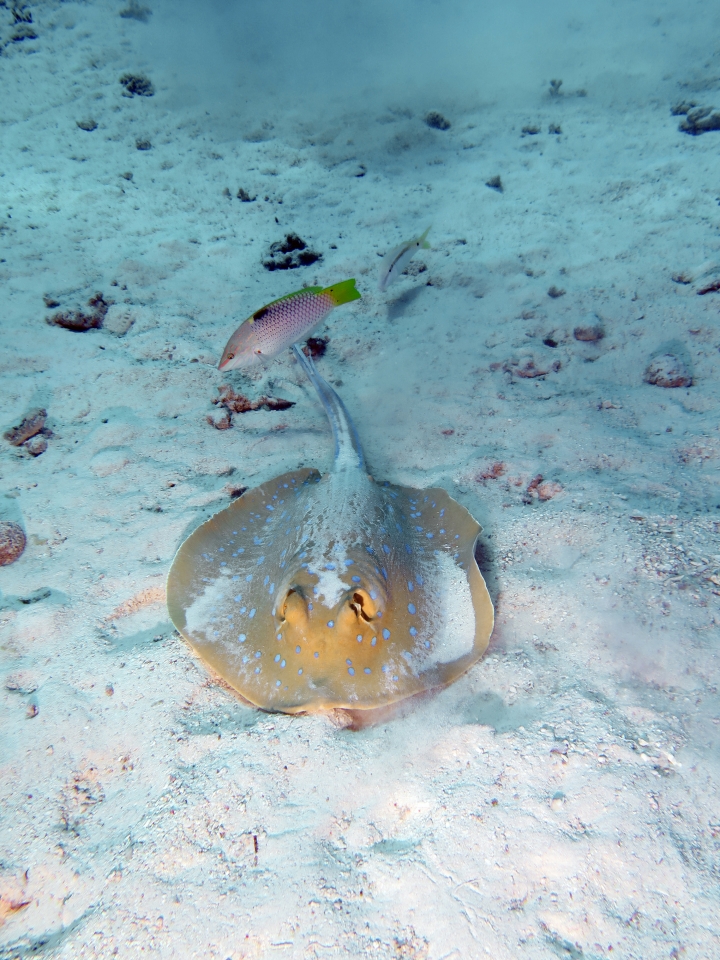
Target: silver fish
<point x="397" y="259"/>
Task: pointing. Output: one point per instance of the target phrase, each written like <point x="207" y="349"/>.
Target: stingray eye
<point x="293" y="609"/>
<point x="364" y="606"/>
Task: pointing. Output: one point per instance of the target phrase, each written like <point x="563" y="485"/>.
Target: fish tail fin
<point x="342" y="292"/>
<point x="423" y="239"/>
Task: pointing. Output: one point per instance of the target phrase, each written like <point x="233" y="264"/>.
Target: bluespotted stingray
<point x="319" y="593"/>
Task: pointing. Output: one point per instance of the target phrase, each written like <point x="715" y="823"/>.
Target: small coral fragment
<point x="315" y="347"/>
<point x="78" y="321"/>
<point x="30" y="425"/>
<point x="12" y="542"/>
<point x="36" y="446"/>
<point x="538" y="489"/>
<point x="493" y="472"/>
<point x="589" y="334"/>
<point x="548" y="490"/>
<point x="239" y="403"/>
<point x="668" y="371"/>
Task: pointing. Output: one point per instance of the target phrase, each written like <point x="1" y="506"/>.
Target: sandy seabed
<point x="561" y="799"/>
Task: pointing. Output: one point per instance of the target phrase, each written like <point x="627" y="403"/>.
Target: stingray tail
<point x="348" y="452"/>
<point x="342" y="292"/>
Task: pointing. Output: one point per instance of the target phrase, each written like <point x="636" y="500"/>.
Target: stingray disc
<point x="312" y="593"/>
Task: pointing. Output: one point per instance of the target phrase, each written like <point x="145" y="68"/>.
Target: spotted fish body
<point x="312" y="593"/>
<point x="283" y="322"/>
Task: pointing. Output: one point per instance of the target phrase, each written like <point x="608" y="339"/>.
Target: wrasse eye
<point x="230" y="356"/>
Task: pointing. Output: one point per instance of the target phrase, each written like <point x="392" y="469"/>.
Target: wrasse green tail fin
<point x="343" y="292"/>
<point x="423" y="240"/>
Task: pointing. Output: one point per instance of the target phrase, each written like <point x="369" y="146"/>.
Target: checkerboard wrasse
<point x="282" y="323"/>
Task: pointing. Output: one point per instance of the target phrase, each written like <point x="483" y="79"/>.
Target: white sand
<point x="559" y="800"/>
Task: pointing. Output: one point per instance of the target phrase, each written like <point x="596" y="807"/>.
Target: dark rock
<point x="555" y="292"/>
<point x="88" y="125"/>
<point x="136" y="85"/>
<point x="437" y="121"/>
<point x="243" y="195"/>
<point x="700" y="121"/>
<point x="142" y="144"/>
<point x="290" y="253"/>
<point x="133" y="11"/>
<point x="23" y="31"/>
<point x="683" y="108"/>
<point x="495" y="183"/>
